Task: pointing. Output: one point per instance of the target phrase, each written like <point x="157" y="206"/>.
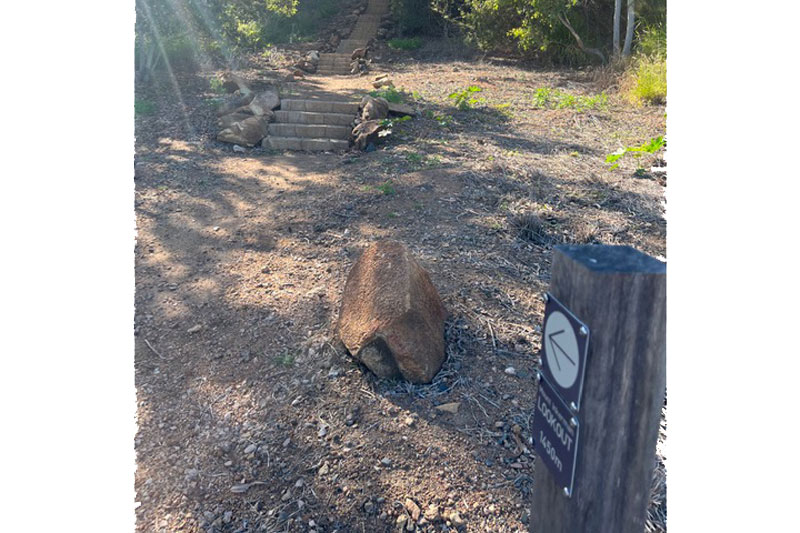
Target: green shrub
<point x="463" y="99"/>
<point x="144" y="107"/>
<point x="389" y="93"/>
<point x="180" y="52"/>
<point x="217" y="86"/>
<point x="650" y="147"/>
<point x="652" y="41"/>
<point x="413" y="16"/>
<point x="547" y="98"/>
<point x="405" y="44"/>
<point x="648" y="81"/>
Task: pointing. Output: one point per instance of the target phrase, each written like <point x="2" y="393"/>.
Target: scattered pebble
<point x="250" y="449"/>
<point x="511" y="371"/>
<point x="386" y="461"/>
<point x="413" y="509"/>
<point x="451" y="407"/>
<point x="195" y="328"/>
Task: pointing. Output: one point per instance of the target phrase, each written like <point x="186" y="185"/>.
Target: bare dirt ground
<point x="240" y="264"/>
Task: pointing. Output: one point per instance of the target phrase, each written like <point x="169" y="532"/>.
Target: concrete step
<point x="303" y="143"/>
<point x="334" y="63"/>
<point x="319" y="106"/>
<point x="347" y="46"/>
<point x="307" y="117"/>
<point x="310" y="131"/>
<point x="333" y="55"/>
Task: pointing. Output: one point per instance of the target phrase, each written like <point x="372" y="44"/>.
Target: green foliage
<point x="389" y="93"/>
<point x="650" y="147"/>
<point x="651" y="41"/>
<point x="648" y="80"/>
<point x="144" y="107"/>
<point x="405" y="44"/>
<point x="413" y="16"/>
<point x="217" y="85"/>
<point x="547" y="98"/>
<point x="394" y="121"/>
<point x="286" y="359"/>
<point x="386" y="188"/>
<point x="463" y="99"/>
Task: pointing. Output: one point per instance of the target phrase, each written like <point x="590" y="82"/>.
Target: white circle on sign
<point x="561" y="349"/>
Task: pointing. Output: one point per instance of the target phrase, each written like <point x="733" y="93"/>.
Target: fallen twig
<point x="147" y="342"/>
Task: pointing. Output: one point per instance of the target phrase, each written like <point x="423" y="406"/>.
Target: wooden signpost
<point x="620" y="295"/>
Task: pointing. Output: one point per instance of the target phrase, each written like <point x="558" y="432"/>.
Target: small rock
<point x="250" y="449"/>
<point x="287" y="442"/>
<point x="227" y="517"/>
<point x="432" y="513"/>
<point x="408" y="421"/>
<point x="239" y="149"/>
<point x="195" y="328"/>
<point x="323" y="430"/>
<point x="323" y="470"/>
<point x="286" y="496"/>
<point x="369" y="507"/>
<point x="383" y="516"/>
<point x="401" y="520"/>
<point x="511" y="371"/>
<point x="451" y="407"/>
<point x="299" y="483"/>
<point x="456" y="519"/>
<point x="413" y="509"/>
<point x="386" y="461"/>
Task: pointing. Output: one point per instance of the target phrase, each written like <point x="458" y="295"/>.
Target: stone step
<point x="340" y="72"/>
<point x="304" y="143"/>
<point x="307" y="117"/>
<point x="319" y="106"/>
<point x="313" y="131"/>
<point x="334" y="63"/>
<point x="333" y="55"/>
<point x="347" y="46"/>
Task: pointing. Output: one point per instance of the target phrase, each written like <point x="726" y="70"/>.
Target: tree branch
<point x="594" y="51"/>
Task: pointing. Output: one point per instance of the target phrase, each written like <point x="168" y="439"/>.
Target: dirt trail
<point x="240" y="263"/>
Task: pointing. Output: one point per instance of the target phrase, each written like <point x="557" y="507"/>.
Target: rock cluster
<point x="392" y="318"/>
<point x="308" y="63"/>
<point x="371" y="120"/>
<point x="243" y="119"/>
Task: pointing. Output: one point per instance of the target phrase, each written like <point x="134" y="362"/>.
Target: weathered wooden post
<point x="601" y="390"/>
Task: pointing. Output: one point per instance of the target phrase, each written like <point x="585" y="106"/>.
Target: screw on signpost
<point x="620" y="294"/>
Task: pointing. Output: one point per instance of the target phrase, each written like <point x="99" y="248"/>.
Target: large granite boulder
<point x="234" y="102"/>
<point x="264" y="102"/>
<point x="392" y="318"/>
<point x="374" y="108"/>
<point x="365" y="133"/>
<point x="247" y="132"/>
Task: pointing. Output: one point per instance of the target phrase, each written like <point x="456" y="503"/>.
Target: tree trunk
<point x="617" y="16"/>
<point x="565" y="21"/>
<point x="629" y="30"/>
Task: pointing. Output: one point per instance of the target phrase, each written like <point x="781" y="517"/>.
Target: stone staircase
<point x="317" y="122"/>
<point x="365" y="29"/>
<point x="312" y="125"/>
